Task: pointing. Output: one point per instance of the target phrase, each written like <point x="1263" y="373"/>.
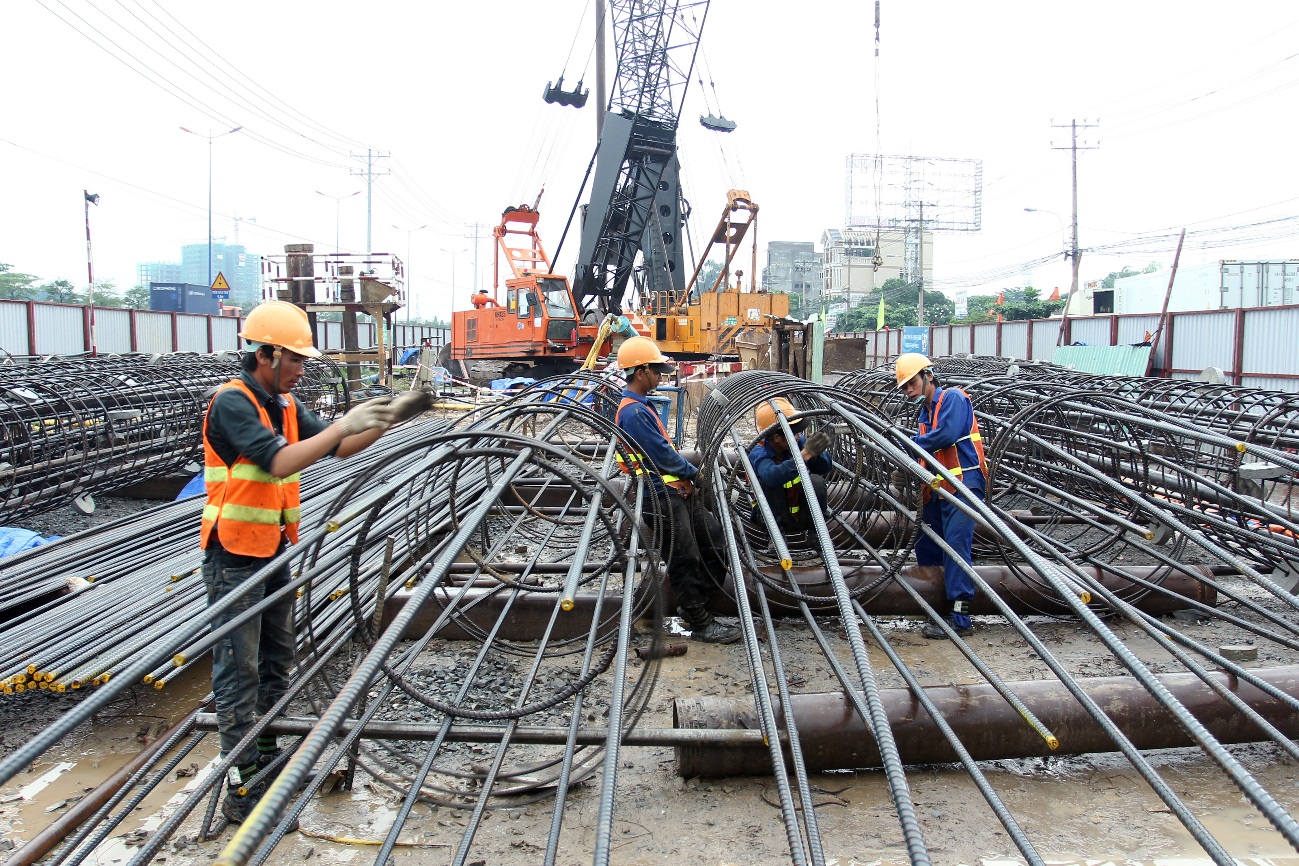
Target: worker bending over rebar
<point x="950" y="432"/>
<point x="696" y="534"/>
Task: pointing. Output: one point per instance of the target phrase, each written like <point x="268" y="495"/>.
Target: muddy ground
<point x="1075" y="809"/>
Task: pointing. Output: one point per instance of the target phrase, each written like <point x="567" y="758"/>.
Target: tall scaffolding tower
<point x="913" y="194"/>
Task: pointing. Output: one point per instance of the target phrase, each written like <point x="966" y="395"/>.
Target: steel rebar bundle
<point x="79" y="427"/>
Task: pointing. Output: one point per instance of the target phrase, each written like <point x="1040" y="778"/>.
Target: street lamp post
<point x="410" y="278"/>
<point x="337" y="206"/>
<point x="210" y="136"/>
<point x="453" y="254"/>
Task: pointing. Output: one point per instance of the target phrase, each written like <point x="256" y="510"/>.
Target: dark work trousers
<point x="789" y="520"/>
<point x="695" y="564"/>
<point x="252" y="664"/>
<point x="957" y="529"/>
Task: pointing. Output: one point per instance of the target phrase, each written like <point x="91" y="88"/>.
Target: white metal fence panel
<point x="940" y="341"/>
<point x="1133" y="329"/>
<point x="1203" y="340"/>
<point x="225" y="334"/>
<point x="191" y="333"/>
<point x="961" y="339"/>
<point x="1270" y="383"/>
<point x="13" y="327"/>
<point x="985" y="339"/>
<point x="1271" y="341"/>
<point x="60" y="329"/>
<point x="153" y="331"/>
<point x="1090" y="331"/>
<point x="1014" y="340"/>
<point x="1045" y="334"/>
<point x="112" y="331"/>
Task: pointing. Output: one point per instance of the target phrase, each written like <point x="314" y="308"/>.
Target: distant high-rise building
<point x="242" y="270"/>
<point x="850" y="272"/>
<point x="794" y="267"/>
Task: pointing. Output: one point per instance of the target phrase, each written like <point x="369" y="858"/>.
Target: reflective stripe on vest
<point x="637" y="464"/>
<point x="950" y="457"/>
<point x="250" y="509"/>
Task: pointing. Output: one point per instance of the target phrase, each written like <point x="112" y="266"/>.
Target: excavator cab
<point x="535" y="323"/>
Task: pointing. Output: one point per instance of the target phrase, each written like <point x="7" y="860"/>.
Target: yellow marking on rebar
<point x="567" y="604"/>
<point x="49" y="676"/>
<point x="298" y="594"/>
<point x="42" y="685"/>
<point x="148" y="678"/>
<point x="935" y="483"/>
<point x="60" y="688"/>
<point x="76" y="684"/>
<point x="1241" y="446"/>
<point x="332" y="526"/>
<point x="1085" y="597"/>
<point x="787" y="564"/>
<point x="19" y="679"/>
<point x="159" y="684"/>
<point x="1150" y="536"/>
<point x="103" y="678"/>
<point x="176" y="577"/>
<point x="1052" y="742"/>
<point x="31" y="669"/>
<point x="178" y="659"/>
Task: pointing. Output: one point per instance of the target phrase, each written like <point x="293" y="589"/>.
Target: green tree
<point x="61" y="292"/>
<point x="136" y="298"/>
<point x="15" y="286"/>
<point x="106" y="294"/>
<point x="708" y="275"/>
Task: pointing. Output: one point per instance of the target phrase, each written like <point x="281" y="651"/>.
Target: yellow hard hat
<point x="908" y="365"/>
<point x="765" y="415"/>
<point x="639" y="351"/>
<point x="279" y="323"/>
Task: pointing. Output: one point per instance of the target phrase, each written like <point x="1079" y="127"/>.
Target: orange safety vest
<point x="636" y="464"/>
<point x="950" y="457"/>
<point x="250" y="507"/>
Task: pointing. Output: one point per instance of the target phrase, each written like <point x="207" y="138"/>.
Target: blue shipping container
<point x="165" y="297"/>
<point x="198" y="299"/>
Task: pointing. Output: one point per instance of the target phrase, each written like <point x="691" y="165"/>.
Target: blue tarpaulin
<point x="14" y="540"/>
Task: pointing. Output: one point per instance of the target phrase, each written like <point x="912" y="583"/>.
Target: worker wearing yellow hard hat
<point x="256" y="439"/>
<point x="773" y="462"/>
<point x="949" y="431"/>
<point x="695" y="565"/>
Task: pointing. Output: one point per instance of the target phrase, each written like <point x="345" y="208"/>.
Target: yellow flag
<point x="879" y="317"/>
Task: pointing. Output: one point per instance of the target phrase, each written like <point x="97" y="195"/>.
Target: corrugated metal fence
<point x="41" y="328"/>
<point x="1253" y="347"/>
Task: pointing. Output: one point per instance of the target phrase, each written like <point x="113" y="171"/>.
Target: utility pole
<point x="601" y="97"/>
<point x="369" y="173"/>
<point x="475" y="237"/>
<point x="1073" y="126"/>
<point x="920" y="265"/>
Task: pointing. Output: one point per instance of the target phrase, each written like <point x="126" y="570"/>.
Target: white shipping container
<point x="1259" y="284"/>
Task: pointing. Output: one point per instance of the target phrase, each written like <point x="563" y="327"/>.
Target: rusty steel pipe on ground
<point x="834" y="738"/>
<point x="530" y="613"/>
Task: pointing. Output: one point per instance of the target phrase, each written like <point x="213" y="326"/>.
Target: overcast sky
<point x="1195" y="103"/>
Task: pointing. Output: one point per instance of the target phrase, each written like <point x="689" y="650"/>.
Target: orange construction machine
<point x="535" y="327"/>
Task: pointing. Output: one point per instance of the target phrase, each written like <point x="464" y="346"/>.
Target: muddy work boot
<point x="239" y="802"/>
<point x="706" y="628"/>
<point x="935" y="632"/>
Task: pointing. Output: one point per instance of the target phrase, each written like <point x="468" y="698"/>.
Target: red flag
<point x="1001" y="298"/>
<point x="1055" y="294"/>
<point x="1000" y="319"/>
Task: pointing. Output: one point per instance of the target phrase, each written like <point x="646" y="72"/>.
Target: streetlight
<point x="211" y="135"/>
<point x="1063" y="237"/>
<point x="337" y="205"/>
<point x="410" y="279"/>
<point x="453" y="254"/>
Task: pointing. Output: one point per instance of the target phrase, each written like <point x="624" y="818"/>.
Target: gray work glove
<point x="373" y="414"/>
<point x="410" y="403"/>
<point x="819" y="442"/>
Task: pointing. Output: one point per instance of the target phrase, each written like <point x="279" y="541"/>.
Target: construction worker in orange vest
<point x="949" y="431"/>
<point x="696" y="534"/>
<point x="256" y="439"/>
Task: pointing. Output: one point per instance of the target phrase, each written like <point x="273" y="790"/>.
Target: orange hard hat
<point x="279" y="323"/>
<point x="639" y="351"/>
<point x="765" y="415"/>
<point x="908" y="365"/>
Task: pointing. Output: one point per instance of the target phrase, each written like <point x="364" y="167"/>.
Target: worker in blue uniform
<point x="773" y="462"/>
<point x="696" y="534"/>
<point x="950" y="432"/>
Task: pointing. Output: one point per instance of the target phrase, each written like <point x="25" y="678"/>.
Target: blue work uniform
<point x="695" y="566"/>
<point x="955" y="424"/>
<point x="778" y="474"/>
